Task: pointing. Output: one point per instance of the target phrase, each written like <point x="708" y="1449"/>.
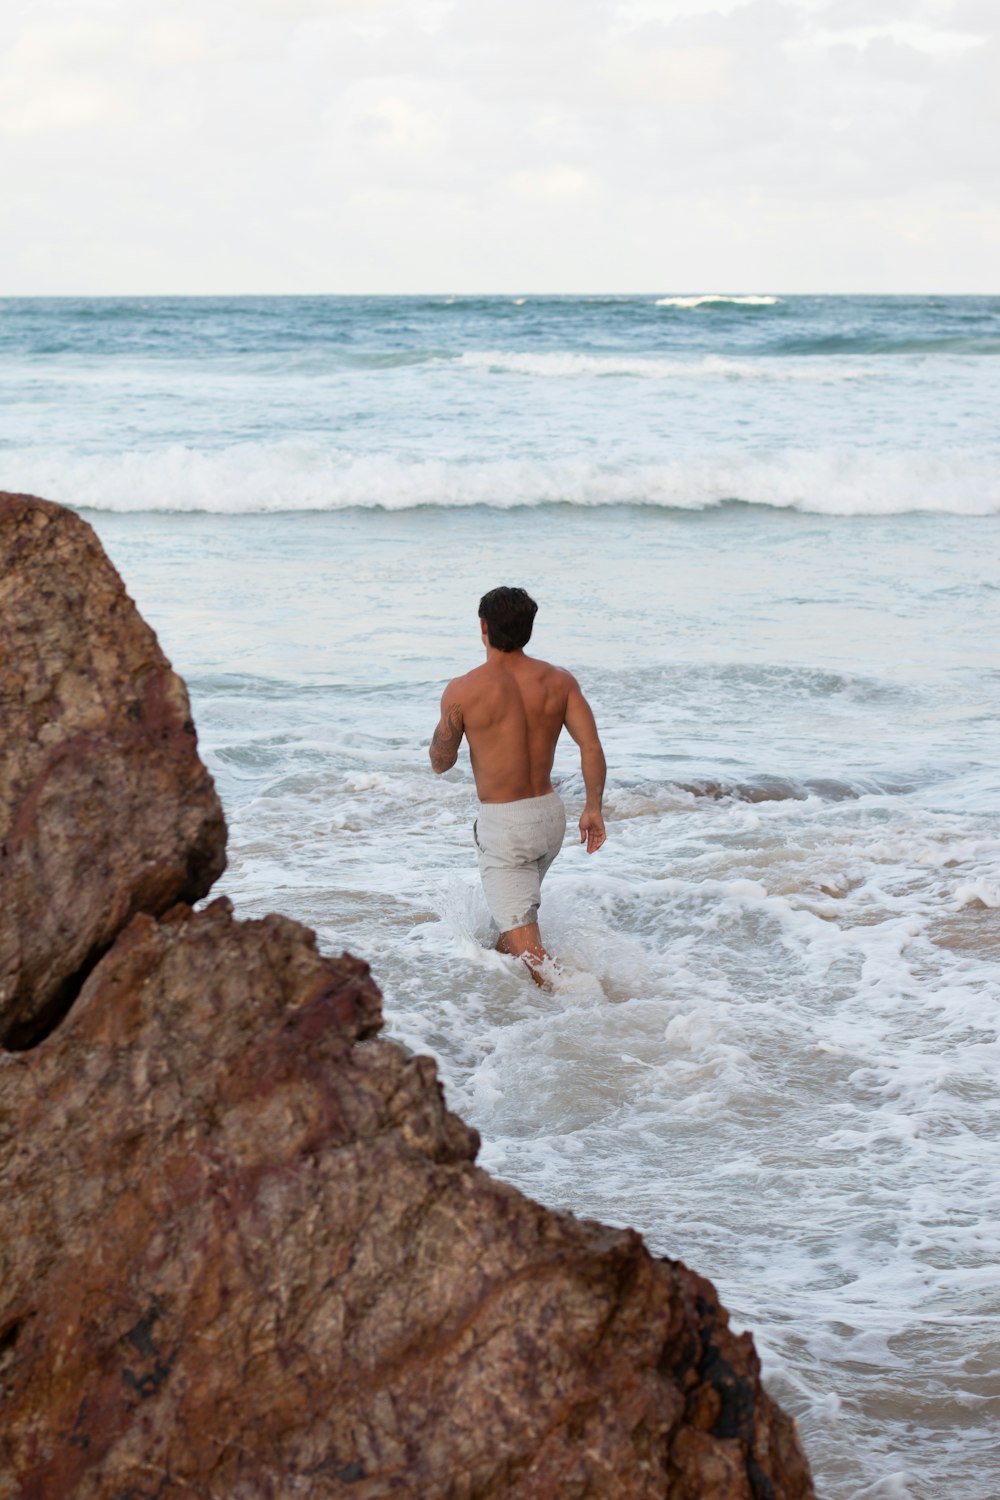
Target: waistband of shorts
<point x="524" y="810"/>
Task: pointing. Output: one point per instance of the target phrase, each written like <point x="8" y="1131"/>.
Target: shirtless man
<point x="512" y="709"/>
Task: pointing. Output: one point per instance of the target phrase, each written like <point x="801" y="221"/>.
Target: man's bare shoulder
<point x="468" y="685"/>
<point x="490" y="676"/>
<point x="554" y="676"/>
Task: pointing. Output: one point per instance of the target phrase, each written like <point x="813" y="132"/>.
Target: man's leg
<point x="525" y="942"/>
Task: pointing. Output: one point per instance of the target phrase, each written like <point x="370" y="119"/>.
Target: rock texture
<point x="105" y="808"/>
<point x="246" y="1255"/>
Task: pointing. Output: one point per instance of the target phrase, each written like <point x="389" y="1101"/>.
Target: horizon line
<point x="6" y="296"/>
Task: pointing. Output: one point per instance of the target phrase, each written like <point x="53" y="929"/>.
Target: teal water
<point x="843" y="405"/>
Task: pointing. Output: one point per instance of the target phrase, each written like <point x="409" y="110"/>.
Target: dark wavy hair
<point x="509" y="615"/>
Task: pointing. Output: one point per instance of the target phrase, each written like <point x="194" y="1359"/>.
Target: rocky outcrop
<point x="105" y="808"/>
<point x="245" y="1250"/>
<point x="247" y="1256"/>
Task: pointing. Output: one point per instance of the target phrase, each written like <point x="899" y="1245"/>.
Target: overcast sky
<point x="499" y="145"/>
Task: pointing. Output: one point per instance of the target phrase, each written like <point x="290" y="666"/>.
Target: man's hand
<point x="592" y="830"/>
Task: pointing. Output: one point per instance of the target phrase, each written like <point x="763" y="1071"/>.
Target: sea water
<point x="763" y="532"/>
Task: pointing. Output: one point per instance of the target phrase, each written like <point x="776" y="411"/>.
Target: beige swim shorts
<point x="516" y="842"/>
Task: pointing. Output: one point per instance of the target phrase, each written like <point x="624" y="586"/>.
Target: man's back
<point x="513" y="710"/>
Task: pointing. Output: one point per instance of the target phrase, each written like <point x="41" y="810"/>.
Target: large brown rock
<point x="245" y="1254"/>
<point x="105" y="808"/>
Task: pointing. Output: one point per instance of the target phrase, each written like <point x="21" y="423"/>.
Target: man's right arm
<point x="448" y="734"/>
<point x="580" y="723"/>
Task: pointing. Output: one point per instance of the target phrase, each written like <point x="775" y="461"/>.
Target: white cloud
<point x="27" y="108"/>
<point x="638" y="12"/>
<point x="296" y="9"/>
<point x="673" y="77"/>
<point x="175" y="41"/>
<point x="917" y="34"/>
<point x="396" y="125"/>
<point x="54" y="78"/>
<point x="553" y="182"/>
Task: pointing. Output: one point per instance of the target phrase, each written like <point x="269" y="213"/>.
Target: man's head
<point x="508" y="615"/>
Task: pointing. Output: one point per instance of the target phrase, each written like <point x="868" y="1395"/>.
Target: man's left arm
<point x="579" y="721"/>
<point x="448" y="735"/>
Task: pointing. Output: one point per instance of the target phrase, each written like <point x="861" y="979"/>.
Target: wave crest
<point x="717" y="299"/>
<point x="301" y="476"/>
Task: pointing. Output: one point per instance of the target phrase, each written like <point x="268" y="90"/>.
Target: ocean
<point x="764" y="534"/>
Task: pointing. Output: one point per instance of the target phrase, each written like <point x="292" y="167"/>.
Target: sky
<point x="462" y="146"/>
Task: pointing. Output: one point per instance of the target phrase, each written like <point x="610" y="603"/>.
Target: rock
<point x="105" y="808"/>
<point x="245" y="1254"/>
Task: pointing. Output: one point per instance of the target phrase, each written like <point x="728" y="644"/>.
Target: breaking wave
<point x="291" y="475"/>
<point x="717" y="299"/>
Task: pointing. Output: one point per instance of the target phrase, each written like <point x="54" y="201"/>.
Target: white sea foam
<point x="708" y="298"/>
<point x="980" y="892"/>
<point x="569" y="365"/>
<point x="305" y="476"/>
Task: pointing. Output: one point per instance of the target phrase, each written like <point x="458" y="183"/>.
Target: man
<point x="512" y="710"/>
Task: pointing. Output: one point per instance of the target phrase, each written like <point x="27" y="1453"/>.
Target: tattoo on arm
<point x="447" y="738"/>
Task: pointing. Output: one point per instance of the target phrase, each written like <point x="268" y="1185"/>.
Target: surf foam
<point x="709" y="299"/>
<point x="569" y="365"/>
<point x="250" y="478"/>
